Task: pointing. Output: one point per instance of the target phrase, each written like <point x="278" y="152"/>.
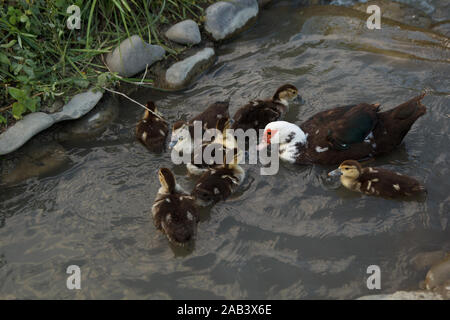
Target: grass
<point x="41" y="59"/>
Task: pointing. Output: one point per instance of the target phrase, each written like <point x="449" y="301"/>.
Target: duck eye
<point x="269" y="133"/>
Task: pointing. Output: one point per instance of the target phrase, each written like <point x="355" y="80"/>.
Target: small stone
<point x="16" y="136"/>
<point x="225" y="19"/>
<point x="133" y="55"/>
<point x="180" y="73"/>
<point x="184" y="32"/>
<point x="78" y="106"/>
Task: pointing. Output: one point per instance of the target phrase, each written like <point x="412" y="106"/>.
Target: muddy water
<point x="293" y="235"/>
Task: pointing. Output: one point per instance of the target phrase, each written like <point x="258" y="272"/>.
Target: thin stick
<point x="138" y="103"/>
<point x="145" y="73"/>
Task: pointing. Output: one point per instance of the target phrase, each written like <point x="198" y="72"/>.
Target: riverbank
<point x="45" y="60"/>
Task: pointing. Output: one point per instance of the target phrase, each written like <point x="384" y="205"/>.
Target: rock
<point x="93" y="123"/>
<point x="180" y="73"/>
<point x="184" y="32"/>
<point x="16" y="136"/>
<point x="438" y="275"/>
<point x="225" y="19"/>
<point x="33" y="123"/>
<point x="404" y="295"/>
<point x="37" y="160"/>
<point x="397" y="11"/>
<point x="78" y="106"/>
<point x="133" y="55"/>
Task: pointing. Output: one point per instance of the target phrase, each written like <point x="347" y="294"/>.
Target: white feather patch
<point x="320" y="149"/>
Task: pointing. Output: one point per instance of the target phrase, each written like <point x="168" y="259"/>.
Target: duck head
<point x="181" y="137"/>
<point x="287" y="93"/>
<point x="167" y="180"/>
<point x="179" y="229"/>
<point x="282" y="133"/>
<point x="151" y="106"/>
<point x="349" y="169"/>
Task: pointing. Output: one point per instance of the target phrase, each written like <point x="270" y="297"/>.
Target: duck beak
<point x="263" y="145"/>
<point x="335" y="173"/>
<point x="298" y="99"/>
<point x="172" y="144"/>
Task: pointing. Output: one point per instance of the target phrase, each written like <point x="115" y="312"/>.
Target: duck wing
<point x="152" y="133"/>
<point x="256" y="115"/>
<point x="344" y="125"/>
<point x="212" y="114"/>
<point x="386" y="183"/>
<point x="396" y="123"/>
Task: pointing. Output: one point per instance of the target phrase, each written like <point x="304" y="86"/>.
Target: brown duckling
<point x="152" y="129"/>
<point x="183" y="131"/>
<point x="174" y="210"/>
<point x="376" y="181"/>
<point x="349" y="132"/>
<point x="258" y="113"/>
<point x="223" y="142"/>
<point x="219" y="183"/>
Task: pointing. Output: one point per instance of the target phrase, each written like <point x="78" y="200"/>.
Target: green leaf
<point x="31" y="105"/>
<point x="81" y="83"/>
<point x="17" y="93"/>
<point x="17" y="110"/>
<point x="9" y="44"/>
<point x="102" y="79"/>
<point x="4" y="59"/>
<point x="2" y="119"/>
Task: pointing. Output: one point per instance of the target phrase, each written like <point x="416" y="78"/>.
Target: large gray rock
<point x="404" y="295"/>
<point x="78" y="106"/>
<point x="184" y="32"/>
<point x="225" y="19"/>
<point x="33" y="123"/>
<point x="180" y="73"/>
<point x="133" y="55"/>
<point x="16" y="136"/>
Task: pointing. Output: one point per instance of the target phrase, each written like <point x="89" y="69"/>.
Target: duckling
<point x="219" y="183"/>
<point x="376" y="181"/>
<point x="174" y="211"/>
<point x="183" y="131"/>
<point x="258" y="113"/>
<point x="152" y="129"/>
<point x="349" y="132"/>
<point x="223" y="142"/>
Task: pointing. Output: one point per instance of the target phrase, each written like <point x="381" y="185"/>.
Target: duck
<point x="219" y="183"/>
<point x="258" y="113"/>
<point x="183" y="131"/>
<point x="350" y="132"/>
<point x="376" y="181"/>
<point x="152" y="129"/>
<point x="174" y="211"/>
<point x="223" y="142"/>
